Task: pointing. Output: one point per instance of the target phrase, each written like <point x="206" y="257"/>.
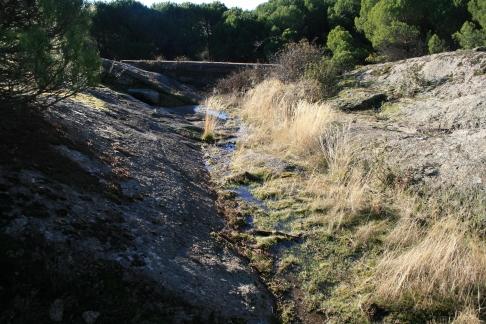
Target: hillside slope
<point x="431" y="118"/>
<point x="107" y="216"/>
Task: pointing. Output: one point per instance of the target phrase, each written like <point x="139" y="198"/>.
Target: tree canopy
<point x="385" y="29"/>
<point x="45" y="48"/>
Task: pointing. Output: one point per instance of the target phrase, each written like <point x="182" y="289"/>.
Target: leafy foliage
<point x="343" y="12"/>
<point x="45" y="49"/>
<point x="239" y="36"/>
<point x="345" y="52"/>
<point x="477" y="8"/>
<point x="436" y="45"/>
<point x="469" y="36"/>
<point x="351" y="29"/>
<point x="399" y="28"/>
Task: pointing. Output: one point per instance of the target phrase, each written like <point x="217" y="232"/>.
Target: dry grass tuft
<point x="338" y="152"/>
<point x="210" y="124"/>
<point x="220" y="102"/>
<point x="467" y="316"/>
<point x="447" y="264"/>
<point x="368" y="232"/>
<point x="300" y="133"/>
<point x="342" y="201"/>
<point x="273" y="101"/>
<point x="283" y="121"/>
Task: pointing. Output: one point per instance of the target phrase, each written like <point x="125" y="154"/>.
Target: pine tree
<point x="45" y="50"/>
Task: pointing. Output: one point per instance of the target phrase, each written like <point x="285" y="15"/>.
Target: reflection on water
<point x="197" y="110"/>
<point x="203" y="110"/>
<point x="245" y="194"/>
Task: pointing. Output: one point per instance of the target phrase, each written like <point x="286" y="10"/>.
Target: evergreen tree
<point x="45" y="49"/>
<point x="436" y="45"/>
<point x="469" y="36"/>
<point x="399" y="28"/>
<point x="345" y="53"/>
<point x="477" y="8"/>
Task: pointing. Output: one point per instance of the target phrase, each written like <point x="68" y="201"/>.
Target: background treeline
<point x="353" y="31"/>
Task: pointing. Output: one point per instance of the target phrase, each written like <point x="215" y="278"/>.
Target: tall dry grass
<point x="467" y="316"/>
<point x="210" y="124"/>
<point x="429" y="253"/>
<point x="338" y="151"/>
<point x="284" y="123"/>
<point x="282" y="120"/>
<point x="447" y="264"/>
<point x="221" y="102"/>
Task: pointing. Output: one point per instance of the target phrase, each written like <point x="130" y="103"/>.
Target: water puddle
<point x="243" y="192"/>
<point x="198" y="110"/>
<point x="203" y="110"/>
<point x="219" y="156"/>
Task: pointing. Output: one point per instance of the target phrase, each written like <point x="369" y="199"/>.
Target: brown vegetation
<point x="369" y="239"/>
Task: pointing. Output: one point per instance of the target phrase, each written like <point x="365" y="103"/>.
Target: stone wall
<point x="201" y="75"/>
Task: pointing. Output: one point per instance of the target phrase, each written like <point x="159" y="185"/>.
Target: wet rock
<point x="134" y="228"/>
<point x="146" y="95"/>
<point x="169" y="91"/>
<point x="56" y="311"/>
<point x="90" y="317"/>
<point x="360" y="99"/>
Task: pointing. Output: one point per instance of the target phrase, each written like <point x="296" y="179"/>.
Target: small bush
<point x="345" y="52"/>
<point x="326" y="73"/>
<point x="294" y="60"/>
<point x="240" y="82"/>
<point x="436" y="45"/>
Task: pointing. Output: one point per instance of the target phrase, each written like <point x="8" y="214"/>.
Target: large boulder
<point x="430" y="120"/>
<point x="107" y="216"/>
<point x="150" y="87"/>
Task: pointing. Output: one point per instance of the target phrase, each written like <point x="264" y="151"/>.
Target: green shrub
<point x="45" y="50"/>
<point x="436" y="45"/>
<point x="345" y="52"/>
<point x="477" y="8"/>
<point x="293" y="61"/>
<point x="469" y="37"/>
<point x="326" y="73"/>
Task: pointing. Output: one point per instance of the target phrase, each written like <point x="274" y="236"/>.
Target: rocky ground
<point x="426" y="115"/>
<point x="107" y="216"/>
